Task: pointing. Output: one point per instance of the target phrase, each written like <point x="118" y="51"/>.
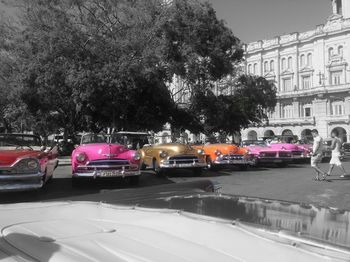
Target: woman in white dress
<point x="335" y="160"/>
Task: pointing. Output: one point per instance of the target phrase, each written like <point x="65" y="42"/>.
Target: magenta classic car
<point x="25" y="163"/>
<point x="264" y="154"/>
<point x="100" y="157"/>
<point x="300" y="153"/>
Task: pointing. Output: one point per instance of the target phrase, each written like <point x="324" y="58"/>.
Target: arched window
<point x="330" y="52"/>
<point x="255" y="69"/>
<point x="266" y="66"/>
<point x="309" y="59"/>
<point x="340" y="50"/>
<point x="290" y="62"/>
<point x="284" y="64"/>
<point x="249" y="69"/>
<point x="302" y="60"/>
<point x="272" y="65"/>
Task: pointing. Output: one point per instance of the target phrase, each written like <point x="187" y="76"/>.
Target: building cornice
<point x="333" y="26"/>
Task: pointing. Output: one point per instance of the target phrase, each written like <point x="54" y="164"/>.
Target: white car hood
<point x="83" y="231"/>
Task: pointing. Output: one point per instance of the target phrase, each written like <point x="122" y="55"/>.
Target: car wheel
<point x="197" y="171"/>
<point x="210" y="164"/>
<point x="282" y="165"/>
<point x="243" y="167"/>
<point x="75" y="182"/>
<point x="156" y="168"/>
<point x="134" y="180"/>
<point x="143" y="166"/>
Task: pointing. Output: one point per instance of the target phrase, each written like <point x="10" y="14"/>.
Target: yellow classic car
<point x="173" y="156"/>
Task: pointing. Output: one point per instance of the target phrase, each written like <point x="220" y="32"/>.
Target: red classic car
<point x="100" y="156"/>
<point x="24" y="162"/>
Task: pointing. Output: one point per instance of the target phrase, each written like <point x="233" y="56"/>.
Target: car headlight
<point x="137" y="156"/>
<point x="27" y="166"/>
<point x="200" y="151"/>
<point x="32" y="164"/>
<point x="163" y="154"/>
<point x="81" y="157"/>
<point x="217" y="152"/>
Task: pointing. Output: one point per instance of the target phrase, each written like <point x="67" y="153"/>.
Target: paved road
<point x="294" y="183"/>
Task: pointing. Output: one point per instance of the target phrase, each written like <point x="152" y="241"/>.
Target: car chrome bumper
<point x="167" y="165"/>
<point x="107" y="173"/>
<point x="274" y="160"/>
<point x="232" y="162"/>
<point x="20" y="182"/>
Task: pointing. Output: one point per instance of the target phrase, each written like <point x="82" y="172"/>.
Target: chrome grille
<point x="268" y="154"/>
<point x="284" y="154"/>
<point x="109" y="162"/>
<point x="297" y="153"/>
<point x="232" y="157"/>
<point x="188" y="159"/>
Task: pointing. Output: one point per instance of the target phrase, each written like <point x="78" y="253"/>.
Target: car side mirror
<point x="129" y="146"/>
<point x="75" y="146"/>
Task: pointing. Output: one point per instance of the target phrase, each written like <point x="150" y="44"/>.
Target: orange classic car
<point x="219" y="155"/>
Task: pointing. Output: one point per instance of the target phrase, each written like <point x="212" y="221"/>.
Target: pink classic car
<point x="98" y="156"/>
<point x="300" y="153"/>
<point x="262" y="154"/>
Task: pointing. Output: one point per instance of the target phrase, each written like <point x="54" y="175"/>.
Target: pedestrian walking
<point x="316" y="157"/>
<point x="335" y="160"/>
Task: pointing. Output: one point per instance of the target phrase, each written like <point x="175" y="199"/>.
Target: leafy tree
<point x="92" y="64"/>
<point x="251" y="98"/>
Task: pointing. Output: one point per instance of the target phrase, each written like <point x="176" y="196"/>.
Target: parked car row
<point x="25" y="163"/>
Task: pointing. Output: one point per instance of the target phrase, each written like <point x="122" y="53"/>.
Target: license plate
<point x="185" y="165"/>
<point x="113" y="173"/>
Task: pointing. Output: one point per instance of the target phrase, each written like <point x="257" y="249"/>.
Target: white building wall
<point x="323" y="85"/>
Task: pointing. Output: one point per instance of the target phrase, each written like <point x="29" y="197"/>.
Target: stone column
<point x="320" y="112"/>
<point x="347" y="105"/>
<point x="296" y="111"/>
<point x="278" y="110"/>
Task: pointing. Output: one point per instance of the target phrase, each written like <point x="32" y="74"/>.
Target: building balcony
<point x="342" y="119"/>
<point x="317" y="90"/>
<point x="300" y="121"/>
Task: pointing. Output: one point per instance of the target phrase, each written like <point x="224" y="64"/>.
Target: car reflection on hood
<point x="175" y="222"/>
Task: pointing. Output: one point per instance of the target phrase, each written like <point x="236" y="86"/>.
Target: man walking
<point x="316" y="157"/>
<point x="335" y="160"/>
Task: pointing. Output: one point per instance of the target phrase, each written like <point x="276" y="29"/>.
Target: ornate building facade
<point x="312" y="76"/>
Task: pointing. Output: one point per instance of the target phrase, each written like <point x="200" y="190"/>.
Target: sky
<point x="252" y="20"/>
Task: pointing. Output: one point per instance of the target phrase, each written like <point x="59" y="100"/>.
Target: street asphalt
<point x="294" y="183"/>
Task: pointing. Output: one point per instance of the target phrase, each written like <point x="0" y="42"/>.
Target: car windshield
<point x="132" y="140"/>
<point x="19" y="140"/>
<point x="254" y="143"/>
<point x="94" y="138"/>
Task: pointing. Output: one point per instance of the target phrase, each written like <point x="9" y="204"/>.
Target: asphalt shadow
<point x="62" y="188"/>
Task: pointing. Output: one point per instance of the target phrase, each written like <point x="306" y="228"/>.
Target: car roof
<point x="132" y="133"/>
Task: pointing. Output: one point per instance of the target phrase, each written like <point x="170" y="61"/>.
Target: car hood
<point x="224" y="148"/>
<point x="133" y="234"/>
<point x="8" y="157"/>
<point x="258" y="149"/>
<point x="285" y="146"/>
<point x="102" y="151"/>
<point x="175" y="148"/>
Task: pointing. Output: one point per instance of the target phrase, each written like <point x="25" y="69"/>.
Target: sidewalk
<point x="64" y="161"/>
